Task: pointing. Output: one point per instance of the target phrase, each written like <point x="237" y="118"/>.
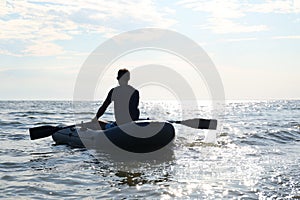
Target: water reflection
<point x="138" y="178"/>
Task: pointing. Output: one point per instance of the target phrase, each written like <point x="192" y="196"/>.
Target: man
<point x="126" y="101"/>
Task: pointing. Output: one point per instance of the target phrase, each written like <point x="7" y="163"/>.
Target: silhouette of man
<point x="126" y="101"/>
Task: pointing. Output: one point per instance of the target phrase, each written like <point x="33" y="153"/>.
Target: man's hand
<point x="94" y="119"/>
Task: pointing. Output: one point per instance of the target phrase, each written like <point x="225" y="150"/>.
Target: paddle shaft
<point x="198" y="123"/>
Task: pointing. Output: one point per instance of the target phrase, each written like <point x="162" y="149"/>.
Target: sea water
<point x="255" y="156"/>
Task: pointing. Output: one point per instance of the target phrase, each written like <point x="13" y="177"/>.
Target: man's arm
<point x="134" y="103"/>
<point x="135" y="99"/>
<point x="104" y="106"/>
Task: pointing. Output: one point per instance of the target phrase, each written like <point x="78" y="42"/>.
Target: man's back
<point x="126" y="101"/>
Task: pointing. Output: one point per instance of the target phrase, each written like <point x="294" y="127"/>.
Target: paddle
<point x="198" y="123"/>
<point x="44" y="131"/>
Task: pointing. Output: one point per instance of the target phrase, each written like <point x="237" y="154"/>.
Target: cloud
<point x="43" y="49"/>
<point x="8" y="53"/>
<point x="225" y="16"/>
<point x="277" y="6"/>
<point x="224" y="26"/>
<point x="239" y="39"/>
<point x="286" y="37"/>
<point x="40" y="21"/>
<point x="218" y="9"/>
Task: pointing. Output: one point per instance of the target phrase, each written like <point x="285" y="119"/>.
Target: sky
<point x="255" y="45"/>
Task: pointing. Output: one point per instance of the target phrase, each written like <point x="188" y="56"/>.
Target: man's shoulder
<point x="111" y="90"/>
<point x="132" y="87"/>
<point x="124" y="87"/>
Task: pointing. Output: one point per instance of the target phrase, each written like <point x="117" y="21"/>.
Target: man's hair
<point x="122" y="72"/>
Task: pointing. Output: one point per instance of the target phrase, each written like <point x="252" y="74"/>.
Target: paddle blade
<point x="200" y="123"/>
<point x="42" y="131"/>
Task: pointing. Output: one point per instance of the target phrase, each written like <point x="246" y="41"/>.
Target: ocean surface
<point x="256" y="155"/>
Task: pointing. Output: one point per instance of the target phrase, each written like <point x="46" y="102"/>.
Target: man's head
<point x="123" y="76"/>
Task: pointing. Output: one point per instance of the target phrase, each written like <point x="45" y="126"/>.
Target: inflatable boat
<point x="137" y="137"/>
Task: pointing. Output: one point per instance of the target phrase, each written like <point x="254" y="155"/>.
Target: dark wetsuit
<point x="126" y="101"/>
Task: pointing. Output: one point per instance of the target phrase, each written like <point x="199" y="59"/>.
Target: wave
<point x="279" y="137"/>
<point x="5" y="123"/>
<point x="283" y="137"/>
